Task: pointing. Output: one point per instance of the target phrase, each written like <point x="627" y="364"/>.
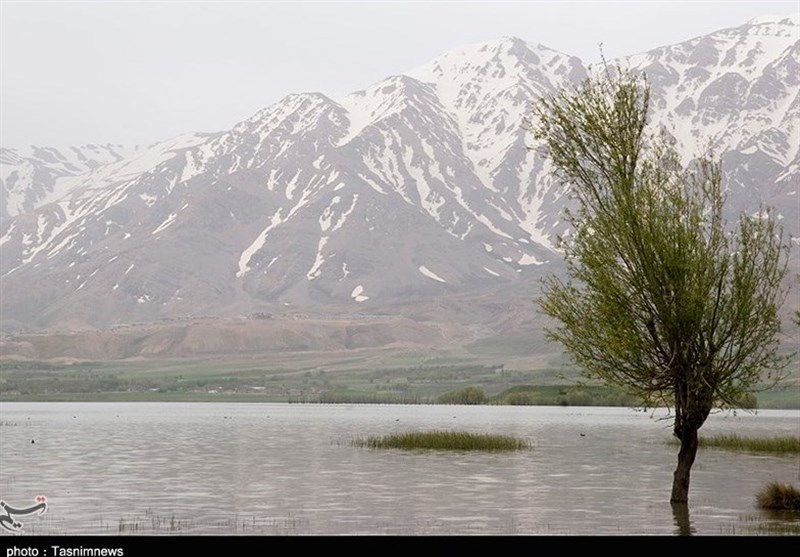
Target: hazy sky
<point x="138" y="72"/>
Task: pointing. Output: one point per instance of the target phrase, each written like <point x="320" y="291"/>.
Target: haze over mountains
<point x="415" y="200"/>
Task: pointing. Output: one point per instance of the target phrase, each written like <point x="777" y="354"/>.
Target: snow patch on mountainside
<point x="167" y="222"/>
<point x="430" y="274"/>
<point x="358" y="294"/>
<point x="257" y="244"/>
<point x="319" y="259"/>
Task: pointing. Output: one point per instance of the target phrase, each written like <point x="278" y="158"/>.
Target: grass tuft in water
<point x="774" y="445"/>
<point x="444" y="440"/>
<point x="779" y="497"/>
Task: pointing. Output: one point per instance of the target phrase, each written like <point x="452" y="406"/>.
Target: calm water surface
<point x="290" y="469"/>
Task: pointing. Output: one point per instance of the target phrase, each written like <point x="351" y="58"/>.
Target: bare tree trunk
<point x="686" y="455"/>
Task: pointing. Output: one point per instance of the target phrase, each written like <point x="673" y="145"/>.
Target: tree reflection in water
<point x="680" y="511"/>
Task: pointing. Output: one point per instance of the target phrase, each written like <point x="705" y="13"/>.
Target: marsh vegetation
<point x="444" y="441"/>
<point x="780" y="445"/>
<point x="778" y="496"/>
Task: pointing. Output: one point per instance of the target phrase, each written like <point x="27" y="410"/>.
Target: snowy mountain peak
<point x="723" y="89"/>
<point x="418" y="187"/>
<point x="787" y="20"/>
<point x="495" y="60"/>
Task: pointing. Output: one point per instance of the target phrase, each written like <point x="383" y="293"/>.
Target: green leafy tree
<point x="662" y="296"/>
<point x="467" y="395"/>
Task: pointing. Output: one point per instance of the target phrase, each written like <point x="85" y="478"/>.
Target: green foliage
<point x="660" y="291"/>
<point x="467" y="395"/>
<point x="445" y="440"/>
<point x="519" y="399"/>
<point x="663" y="297"/>
<point x="551" y="395"/>
<point x="747" y="400"/>
<point x="779" y="497"/>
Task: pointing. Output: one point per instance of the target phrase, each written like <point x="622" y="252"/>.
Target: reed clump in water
<point x="445" y="440"/>
<point x="779" y="497"/>
<point x="774" y="445"/>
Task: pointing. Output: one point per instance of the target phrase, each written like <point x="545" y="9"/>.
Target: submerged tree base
<point x="445" y="440"/>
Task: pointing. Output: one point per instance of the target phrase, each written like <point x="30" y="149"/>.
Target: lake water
<point x="290" y="469"/>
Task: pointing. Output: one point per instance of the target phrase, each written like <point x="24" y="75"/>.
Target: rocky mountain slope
<point x="417" y="189"/>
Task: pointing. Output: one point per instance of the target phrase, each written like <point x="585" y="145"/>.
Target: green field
<point x="358" y="378"/>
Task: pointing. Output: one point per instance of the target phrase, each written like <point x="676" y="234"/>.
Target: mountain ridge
<point x="416" y="189"/>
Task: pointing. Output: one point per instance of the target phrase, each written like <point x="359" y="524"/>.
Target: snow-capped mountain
<point x="734" y="93"/>
<point x="416" y="188"/>
<point x="34" y="176"/>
